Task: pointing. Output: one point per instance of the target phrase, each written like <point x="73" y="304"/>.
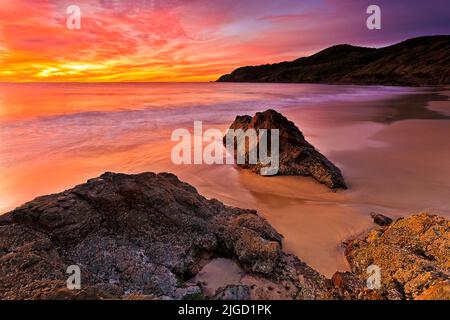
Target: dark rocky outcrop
<point x="415" y="62"/>
<point x="141" y="237"/>
<point x="144" y="237"/>
<point x="413" y="255"/>
<point x="297" y="156"/>
<point x="380" y="219"/>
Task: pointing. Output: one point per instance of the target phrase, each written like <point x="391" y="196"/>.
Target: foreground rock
<point x="297" y="156"/>
<point x="146" y="236"/>
<point x="413" y="255"/>
<point x="142" y="237"/>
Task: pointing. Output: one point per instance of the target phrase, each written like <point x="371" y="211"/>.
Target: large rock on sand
<point x="297" y="156"/>
<point x="140" y="237"/>
<point x="413" y="255"/>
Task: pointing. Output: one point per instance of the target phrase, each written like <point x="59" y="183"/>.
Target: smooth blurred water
<point x="41" y="120"/>
<point x="389" y="144"/>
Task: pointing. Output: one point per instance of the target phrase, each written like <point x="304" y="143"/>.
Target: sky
<point x="191" y="40"/>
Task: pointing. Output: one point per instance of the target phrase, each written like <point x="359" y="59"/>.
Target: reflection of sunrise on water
<point x="51" y="142"/>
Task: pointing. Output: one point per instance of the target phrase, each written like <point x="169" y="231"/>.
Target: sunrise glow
<point x="189" y="40"/>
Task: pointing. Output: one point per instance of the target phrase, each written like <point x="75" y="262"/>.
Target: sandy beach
<point x="391" y="147"/>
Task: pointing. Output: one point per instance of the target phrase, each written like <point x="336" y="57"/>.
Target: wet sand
<point x="395" y="161"/>
<point x="216" y="274"/>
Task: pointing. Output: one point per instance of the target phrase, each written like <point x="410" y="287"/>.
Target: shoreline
<point x="117" y="227"/>
<point x="313" y="219"/>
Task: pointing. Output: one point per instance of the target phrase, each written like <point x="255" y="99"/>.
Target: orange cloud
<point x="177" y="40"/>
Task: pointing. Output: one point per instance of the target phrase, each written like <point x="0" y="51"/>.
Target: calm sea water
<point x="46" y="127"/>
<point x="53" y="136"/>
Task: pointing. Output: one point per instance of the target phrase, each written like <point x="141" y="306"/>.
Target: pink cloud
<point x="160" y="39"/>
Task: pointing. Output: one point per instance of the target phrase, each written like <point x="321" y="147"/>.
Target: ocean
<point x="391" y="144"/>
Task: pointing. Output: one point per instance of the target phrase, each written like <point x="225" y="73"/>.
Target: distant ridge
<point x="414" y="62"/>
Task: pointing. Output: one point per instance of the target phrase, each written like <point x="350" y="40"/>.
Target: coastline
<point x="153" y="237"/>
<point x="314" y="220"/>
